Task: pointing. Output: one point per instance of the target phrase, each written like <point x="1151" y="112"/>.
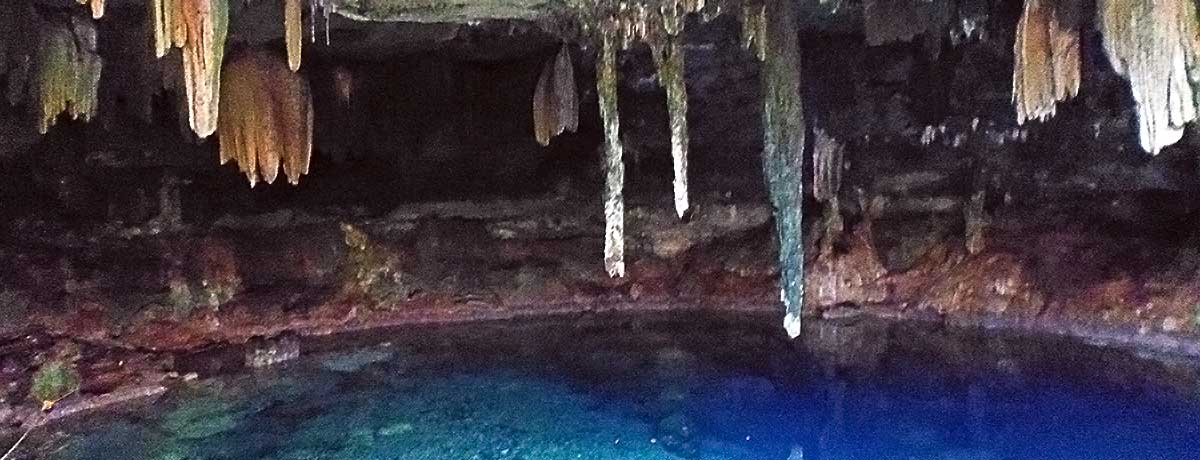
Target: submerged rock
<point x="202" y="417"/>
<point x="676" y="434"/>
<point x="269" y="352"/>
<point x="354" y="361"/>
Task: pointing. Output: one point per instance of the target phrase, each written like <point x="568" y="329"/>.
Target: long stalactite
<point x="669" y="57"/>
<point x="783" y="151"/>
<point x="1046" y="65"/>
<point x="1154" y="44"/>
<point x="671" y="74"/>
<point x="199" y="28"/>
<point x="614" y="166"/>
<point x="266" y="118"/>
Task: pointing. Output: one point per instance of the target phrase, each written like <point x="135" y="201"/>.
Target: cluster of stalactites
<point x="1154" y="44"/>
<point x="621" y="25"/>
<point x="198" y="28"/>
<point x="556" y="99"/>
<point x="653" y="22"/>
<point x="660" y="25"/>
<point x="266" y="118"/>
<point x="1046" y="66"/>
<point x="97" y="7"/>
<point x="323" y="9"/>
<point x="67" y="74"/>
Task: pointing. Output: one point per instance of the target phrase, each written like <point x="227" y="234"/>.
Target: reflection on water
<point x="668" y="388"/>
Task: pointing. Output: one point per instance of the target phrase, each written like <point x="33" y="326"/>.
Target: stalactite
<point x="671" y="76"/>
<point x="567" y="91"/>
<point x="975" y="222"/>
<point x="614" y="167"/>
<point x="783" y="151"/>
<point x="901" y="20"/>
<point x="202" y="56"/>
<point x="292" y="31"/>
<point x="198" y="28"/>
<point x="971" y="18"/>
<point x="1154" y="44"/>
<point x="545" y="112"/>
<point x="556" y="99"/>
<point x="632" y="23"/>
<point x="754" y="21"/>
<point x="266" y="118"/>
<point x="67" y="72"/>
<point x="828" y="155"/>
<point x="96" y="6"/>
<point x="327" y="8"/>
<point x="1046" y="54"/>
<point x="162" y="21"/>
<point x="343" y="84"/>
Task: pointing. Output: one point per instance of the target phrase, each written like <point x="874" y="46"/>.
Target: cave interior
<point x="983" y="162"/>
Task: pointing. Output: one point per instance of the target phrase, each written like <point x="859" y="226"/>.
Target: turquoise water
<point x="667" y="389"/>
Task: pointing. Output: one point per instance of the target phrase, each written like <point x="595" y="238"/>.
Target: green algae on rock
<point x="54" y="380"/>
<point x="369" y="272"/>
<point x="185" y="295"/>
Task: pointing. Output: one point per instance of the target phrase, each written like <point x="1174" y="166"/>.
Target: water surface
<point x="667" y="388"/>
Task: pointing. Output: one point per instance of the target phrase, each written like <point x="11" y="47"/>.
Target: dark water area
<point x="666" y="388"/>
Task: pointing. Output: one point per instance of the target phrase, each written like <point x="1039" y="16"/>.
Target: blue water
<point x="667" y="389"/>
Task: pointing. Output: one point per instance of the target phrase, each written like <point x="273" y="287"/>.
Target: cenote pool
<point x="665" y="388"/>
